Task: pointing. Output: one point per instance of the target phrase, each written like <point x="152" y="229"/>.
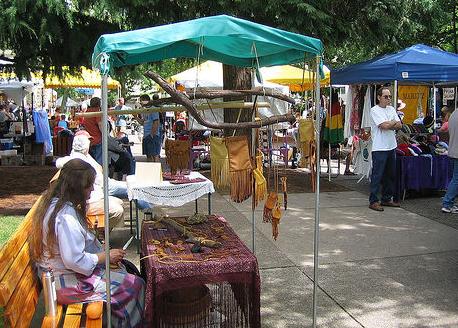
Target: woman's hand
<point x="116" y="255"/>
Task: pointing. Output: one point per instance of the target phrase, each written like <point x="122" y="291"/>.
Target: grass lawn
<point x="8" y="226"/>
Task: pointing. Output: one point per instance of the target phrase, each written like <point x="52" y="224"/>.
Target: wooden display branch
<point x="189" y="235"/>
<point x="183" y="99"/>
<point x="214" y="94"/>
<point x="207" y="106"/>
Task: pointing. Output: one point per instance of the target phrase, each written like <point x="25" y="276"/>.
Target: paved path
<point x="396" y="268"/>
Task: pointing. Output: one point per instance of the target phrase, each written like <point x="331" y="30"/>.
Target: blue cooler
<point x="6" y="144"/>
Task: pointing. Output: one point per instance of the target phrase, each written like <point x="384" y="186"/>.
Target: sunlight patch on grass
<point x="8" y="226"/>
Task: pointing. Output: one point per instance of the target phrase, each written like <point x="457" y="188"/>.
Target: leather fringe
<point x="241" y="185"/>
<point x="220" y="172"/>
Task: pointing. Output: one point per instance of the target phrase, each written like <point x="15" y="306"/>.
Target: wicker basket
<point x="185" y="306"/>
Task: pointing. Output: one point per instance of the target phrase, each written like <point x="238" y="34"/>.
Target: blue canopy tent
<point x="416" y="64"/>
<point x="221" y="38"/>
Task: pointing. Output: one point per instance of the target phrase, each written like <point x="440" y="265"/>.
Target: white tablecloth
<point x="168" y="194"/>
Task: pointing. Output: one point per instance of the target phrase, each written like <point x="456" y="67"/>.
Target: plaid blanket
<point x="127" y="293"/>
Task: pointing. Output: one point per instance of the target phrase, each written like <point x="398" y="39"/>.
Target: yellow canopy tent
<point x="296" y="78"/>
<point x="88" y="79"/>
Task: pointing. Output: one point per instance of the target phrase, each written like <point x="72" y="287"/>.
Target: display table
<point x="166" y="194"/>
<point x="420" y="172"/>
<point x="228" y="274"/>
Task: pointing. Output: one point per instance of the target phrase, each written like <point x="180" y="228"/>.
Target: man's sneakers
<point x="379" y="206"/>
<point x="453" y="209"/>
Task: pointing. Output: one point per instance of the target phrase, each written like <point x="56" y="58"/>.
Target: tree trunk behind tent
<point x="237" y="78"/>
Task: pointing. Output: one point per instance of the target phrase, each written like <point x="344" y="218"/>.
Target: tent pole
<point x="105" y="193"/>
<point x="434" y="108"/>
<point x="316" y="238"/>
<point x="253" y="153"/>
<point x="395" y="95"/>
<point x="456" y="89"/>
<point x="329" y="131"/>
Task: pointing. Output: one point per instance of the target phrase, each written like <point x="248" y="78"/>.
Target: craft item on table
<point x="169" y="176"/>
<point x="185" y="180"/>
<point x="284" y="188"/>
<point x="219" y="163"/>
<point x="197" y="218"/>
<point x="177" y="152"/>
<point x="189" y="234"/>
<point x="240" y="168"/>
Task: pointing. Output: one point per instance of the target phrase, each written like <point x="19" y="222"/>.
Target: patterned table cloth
<point x="230" y="274"/>
<point x="168" y="194"/>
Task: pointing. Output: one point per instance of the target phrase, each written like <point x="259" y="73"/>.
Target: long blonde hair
<point x="74" y="178"/>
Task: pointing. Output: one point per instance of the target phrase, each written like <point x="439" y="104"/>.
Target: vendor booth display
<point x="212" y="38"/>
<point x="415" y="69"/>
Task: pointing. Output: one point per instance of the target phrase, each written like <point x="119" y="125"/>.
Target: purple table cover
<point x="239" y="268"/>
<point x="421" y="172"/>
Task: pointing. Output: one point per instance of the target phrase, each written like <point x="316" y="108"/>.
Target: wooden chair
<point x="20" y="287"/>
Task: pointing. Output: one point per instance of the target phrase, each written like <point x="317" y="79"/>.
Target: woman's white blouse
<point x="76" y="247"/>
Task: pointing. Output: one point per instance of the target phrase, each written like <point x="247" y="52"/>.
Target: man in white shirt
<point x="384" y="123"/>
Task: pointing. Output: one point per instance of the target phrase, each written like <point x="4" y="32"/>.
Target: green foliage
<point x="45" y="33"/>
<point x="9" y="225"/>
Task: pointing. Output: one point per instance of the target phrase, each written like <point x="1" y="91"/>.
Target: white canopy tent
<point x="70" y="102"/>
<point x="17" y="90"/>
<point x="209" y="75"/>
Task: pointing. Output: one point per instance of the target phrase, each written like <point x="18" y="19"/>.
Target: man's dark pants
<point x="383" y="175"/>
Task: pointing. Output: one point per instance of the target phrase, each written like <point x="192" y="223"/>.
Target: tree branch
<point x="182" y="99"/>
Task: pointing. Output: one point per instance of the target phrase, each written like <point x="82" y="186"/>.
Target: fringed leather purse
<point x="269" y="205"/>
<point x="177" y="152"/>
<point x="219" y="163"/>
<point x="306" y="137"/>
<point x="240" y="169"/>
<point x="260" y="182"/>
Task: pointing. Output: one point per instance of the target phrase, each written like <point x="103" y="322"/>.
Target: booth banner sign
<point x="449" y="94"/>
<point x="416" y="98"/>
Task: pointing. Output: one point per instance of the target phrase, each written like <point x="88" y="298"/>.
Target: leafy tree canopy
<point x="55" y="33"/>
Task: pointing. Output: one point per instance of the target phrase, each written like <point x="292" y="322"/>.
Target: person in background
<point x="63" y="122"/>
<point x="401" y="105"/>
<point x="151" y="142"/>
<point x="65" y="243"/>
<point x="452" y="189"/>
<point x="5" y="115"/>
<point x="94" y="127"/>
<point x="121" y="120"/>
<point x="446" y="112"/>
<point x="384" y="123"/>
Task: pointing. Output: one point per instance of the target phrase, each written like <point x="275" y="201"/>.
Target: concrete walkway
<point x="377" y="269"/>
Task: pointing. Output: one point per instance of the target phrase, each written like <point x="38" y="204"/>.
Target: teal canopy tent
<point x="223" y="38"/>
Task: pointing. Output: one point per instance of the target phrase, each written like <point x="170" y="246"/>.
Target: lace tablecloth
<point x="168" y="194"/>
<point x="230" y="273"/>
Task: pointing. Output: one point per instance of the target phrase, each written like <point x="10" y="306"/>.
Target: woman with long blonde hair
<point x="64" y="242"/>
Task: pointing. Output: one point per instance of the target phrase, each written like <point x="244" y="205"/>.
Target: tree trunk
<point x="237" y="78"/>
